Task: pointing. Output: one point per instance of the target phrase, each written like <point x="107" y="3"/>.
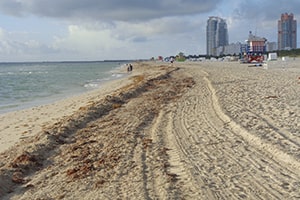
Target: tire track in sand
<point x="216" y="159"/>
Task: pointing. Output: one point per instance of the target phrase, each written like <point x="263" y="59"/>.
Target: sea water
<point x="24" y="85"/>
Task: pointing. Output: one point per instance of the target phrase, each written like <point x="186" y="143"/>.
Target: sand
<point x="193" y="130"/>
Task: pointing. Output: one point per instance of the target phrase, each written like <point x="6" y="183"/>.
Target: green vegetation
<point x="290" y="53"/>
<point x="180" y="57"/>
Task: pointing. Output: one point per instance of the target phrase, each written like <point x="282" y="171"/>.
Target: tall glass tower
<point x="216" y="35"/>
<point x="287" y="32"/>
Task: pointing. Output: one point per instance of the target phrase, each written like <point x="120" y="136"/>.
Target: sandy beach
<point x="192" y="130"/>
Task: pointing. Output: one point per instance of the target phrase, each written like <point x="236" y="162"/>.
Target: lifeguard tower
<point x="254" y="50"/>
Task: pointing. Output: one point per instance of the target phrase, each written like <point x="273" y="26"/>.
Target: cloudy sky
<point x="55" y="30"/>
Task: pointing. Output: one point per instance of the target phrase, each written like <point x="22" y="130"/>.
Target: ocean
<point x="25" y="85"/>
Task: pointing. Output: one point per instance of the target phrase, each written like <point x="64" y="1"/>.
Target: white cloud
<point x="134" y="40"/>
<point x="2" y="33"/>
<point x="88" y="43"/>
<point x="16" y="46"/>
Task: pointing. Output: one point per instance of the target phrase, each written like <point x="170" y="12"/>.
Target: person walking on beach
<point x="172" y="61"/>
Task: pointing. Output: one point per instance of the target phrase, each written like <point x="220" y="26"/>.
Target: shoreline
<point x="206" y="130"/>
<point x="25" y="122"/>
<point x="75" y="89"/>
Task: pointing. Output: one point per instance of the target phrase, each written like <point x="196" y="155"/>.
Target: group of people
<point x="129" y="68"/>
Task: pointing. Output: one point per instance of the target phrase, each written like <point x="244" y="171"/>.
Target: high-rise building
<point x="287" y="32"/>
<point x="216" y="35"/>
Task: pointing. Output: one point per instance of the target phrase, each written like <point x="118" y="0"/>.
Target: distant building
<point x="216" y="35"/>
<point x="233" y="49"/>
<point x="256" y="44"/>
<point x="271" y="46"/>
<point x="287" y="32"/>
<point x="255" y="49"/>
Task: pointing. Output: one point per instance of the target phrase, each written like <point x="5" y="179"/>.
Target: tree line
<point x="290" y="53"/>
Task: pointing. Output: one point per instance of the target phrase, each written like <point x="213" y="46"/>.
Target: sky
<point x="85" y="30"/>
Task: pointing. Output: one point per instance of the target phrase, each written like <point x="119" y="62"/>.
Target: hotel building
<point x="216" y="35"/>
<point x="287" y="32"/>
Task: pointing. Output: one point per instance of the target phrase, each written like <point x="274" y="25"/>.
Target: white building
<point x="271" y="46"/>
<point x="231" y="49"/>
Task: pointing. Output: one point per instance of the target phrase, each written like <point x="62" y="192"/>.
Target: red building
<point x="256" y="48"/>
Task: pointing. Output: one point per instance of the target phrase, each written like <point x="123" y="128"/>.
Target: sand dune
<point x="207" y="130"/>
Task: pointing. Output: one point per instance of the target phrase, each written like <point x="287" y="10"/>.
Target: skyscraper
<point x="287" y="32"/>
<point x="216" y="35"/>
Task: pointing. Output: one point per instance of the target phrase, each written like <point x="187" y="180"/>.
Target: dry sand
<point x="202" y="130"/>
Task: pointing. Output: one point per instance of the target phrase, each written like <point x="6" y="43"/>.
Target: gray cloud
<point x="123" y="10"/>
<point x="266" y="10"/>
<point x="139" y="39"/>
